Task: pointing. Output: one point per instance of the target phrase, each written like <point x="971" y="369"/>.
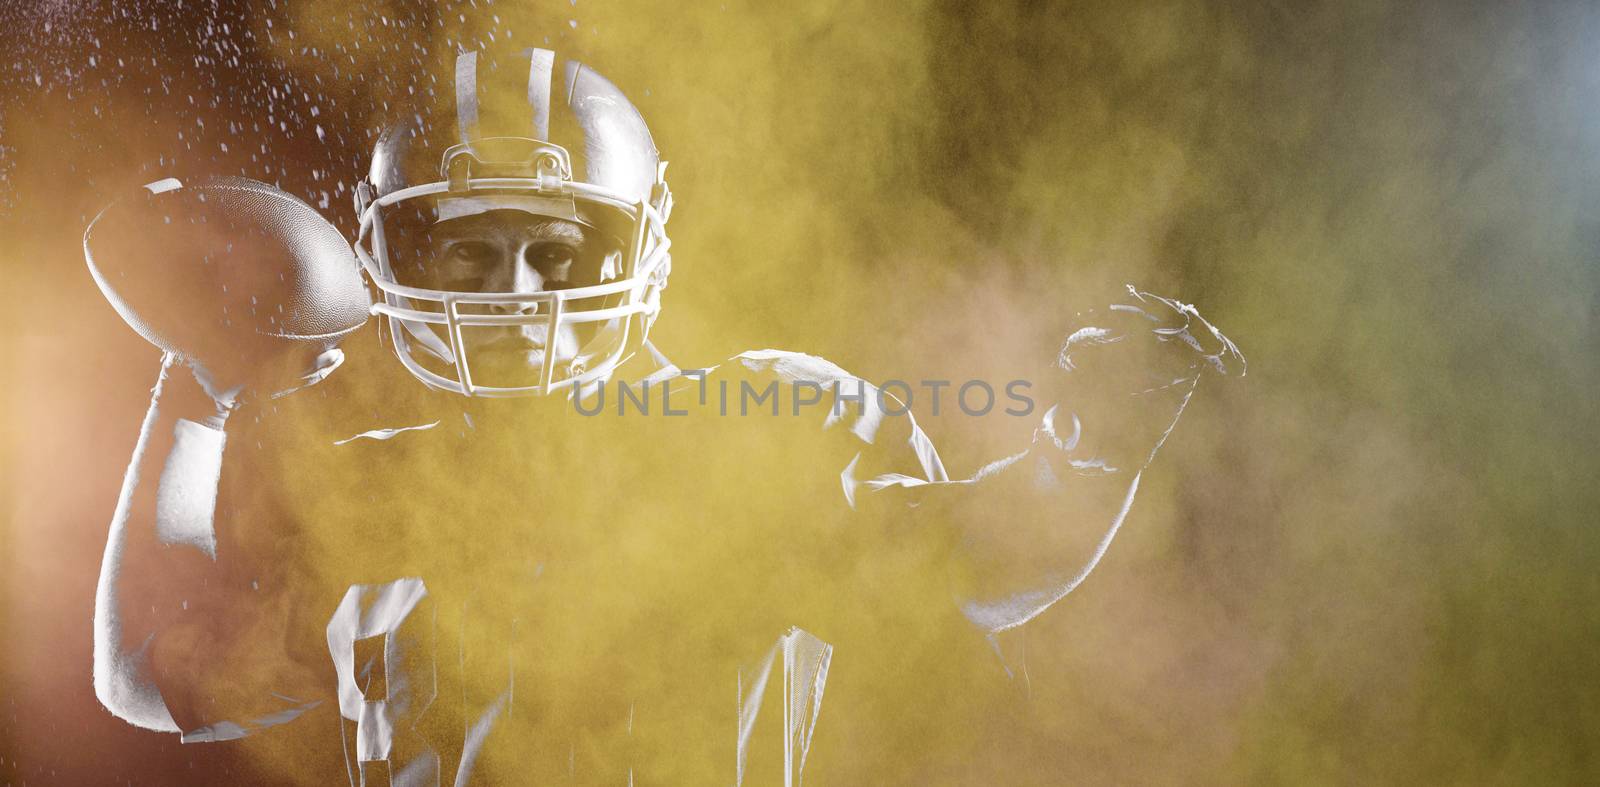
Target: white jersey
<point x="437" y="662"/>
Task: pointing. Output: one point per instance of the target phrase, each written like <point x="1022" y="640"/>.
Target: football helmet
<point x="535" y="133"/>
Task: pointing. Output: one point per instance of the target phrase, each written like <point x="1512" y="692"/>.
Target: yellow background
<point x="1371" y="560"/>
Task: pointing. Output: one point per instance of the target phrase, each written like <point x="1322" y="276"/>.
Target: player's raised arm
<point x="250" y="290"/>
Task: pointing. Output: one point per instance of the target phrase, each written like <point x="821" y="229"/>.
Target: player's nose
<point x="518" y="276"/>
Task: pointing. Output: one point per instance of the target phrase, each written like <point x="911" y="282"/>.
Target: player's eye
<point x="470" y="252"/>
<point x="550" y="256"/>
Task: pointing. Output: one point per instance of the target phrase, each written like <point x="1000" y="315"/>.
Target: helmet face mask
<point x="608" y="179"/>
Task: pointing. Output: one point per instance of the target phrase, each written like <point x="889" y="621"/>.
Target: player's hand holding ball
<point x="244" y="283"/>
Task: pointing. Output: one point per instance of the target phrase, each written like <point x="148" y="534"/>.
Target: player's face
<point x="513" y="251"/>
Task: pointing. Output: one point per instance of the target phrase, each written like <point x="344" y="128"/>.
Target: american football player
<point x="515" y="242"/>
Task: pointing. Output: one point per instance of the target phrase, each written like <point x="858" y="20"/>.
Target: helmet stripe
<point x="539" y="76"/>
<point x="467" y="96"/>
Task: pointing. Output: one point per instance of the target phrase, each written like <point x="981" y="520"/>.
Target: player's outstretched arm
<point x="1030" y="526"/>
